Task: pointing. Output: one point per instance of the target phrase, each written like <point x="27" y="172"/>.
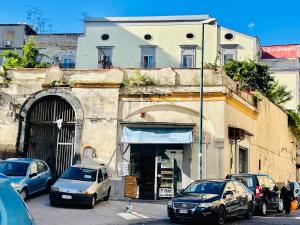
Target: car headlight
<point x="85" y="192"/>
<point x="54" y="188"/>
<point x="207" y="204"/>
<point x="15" y="185"/>
<point x="170" y="203"/>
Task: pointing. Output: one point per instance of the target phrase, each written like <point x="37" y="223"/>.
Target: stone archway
<point x="54" y="105"/>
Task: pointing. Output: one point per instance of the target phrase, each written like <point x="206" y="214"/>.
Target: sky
<point x="273" y="21"/>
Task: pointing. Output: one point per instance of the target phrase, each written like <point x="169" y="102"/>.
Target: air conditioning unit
<point x="7" y="43"/>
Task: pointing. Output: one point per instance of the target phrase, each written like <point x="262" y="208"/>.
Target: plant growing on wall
<point x="294" y="122"/>
<point x="255" y="76"/>
<point x="28" y="58"/>
<point x="138" y="80"/>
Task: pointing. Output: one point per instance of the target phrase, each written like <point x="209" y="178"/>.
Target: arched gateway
<point x="51" y="128"/>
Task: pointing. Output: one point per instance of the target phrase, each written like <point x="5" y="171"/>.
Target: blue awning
<point x="157" y="135"/>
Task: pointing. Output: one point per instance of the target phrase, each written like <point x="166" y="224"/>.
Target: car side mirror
<point x="32" y="175"/>
<point x="100" y="180"/>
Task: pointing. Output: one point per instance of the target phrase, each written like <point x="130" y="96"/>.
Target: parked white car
<point x="81" y="184"/>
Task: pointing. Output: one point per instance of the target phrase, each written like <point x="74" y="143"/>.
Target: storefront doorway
<point x="158" y="168"/>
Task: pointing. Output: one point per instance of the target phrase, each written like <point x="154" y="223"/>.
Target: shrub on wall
<point x="138" y="80"/>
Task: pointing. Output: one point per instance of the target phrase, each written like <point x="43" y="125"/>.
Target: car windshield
<point x="77" y="173"/>
<point x="206" y="188"/>
<point x="17" y="169"/>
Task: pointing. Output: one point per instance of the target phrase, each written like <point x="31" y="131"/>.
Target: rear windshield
<point x="14" y="168"/>
<point x="206" y="188"/>
<point x="246" y="180"/>
<point x="77" y="173"/>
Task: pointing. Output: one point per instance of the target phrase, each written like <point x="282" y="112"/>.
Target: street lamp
<point x="209" y="21"/>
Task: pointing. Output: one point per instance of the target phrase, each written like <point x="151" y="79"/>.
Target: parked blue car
<point x="13" y="210"/>
<point x="26" y="175"/>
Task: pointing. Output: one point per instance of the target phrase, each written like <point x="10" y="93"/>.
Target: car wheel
<point x="93" y="202"/>
<point x="106" y="198"/>
<point x="263" y="209"/>
<point x="221" y="216"/>
<point x="250" y="212"/>
<point x="24" y="194"/>
<point x="280" y="206"/>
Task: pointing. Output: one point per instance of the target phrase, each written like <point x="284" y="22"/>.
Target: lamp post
<point x="209" y="21"/>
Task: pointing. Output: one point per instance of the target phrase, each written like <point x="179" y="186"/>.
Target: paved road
<point x="112" y="213"/>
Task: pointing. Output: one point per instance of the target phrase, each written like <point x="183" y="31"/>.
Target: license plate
<point x="183" y="211"/>
<point x="66" y="196"/>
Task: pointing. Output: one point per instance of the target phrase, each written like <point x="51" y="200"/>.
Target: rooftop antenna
<point x="251" y="28"/>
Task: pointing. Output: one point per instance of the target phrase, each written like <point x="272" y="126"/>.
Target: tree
<point x="278" y="94"/>
<point x="28" y="58"/>
<point x="255" y="76"/>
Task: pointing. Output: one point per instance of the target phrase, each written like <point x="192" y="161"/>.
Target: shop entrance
<point x="158" y="168"/>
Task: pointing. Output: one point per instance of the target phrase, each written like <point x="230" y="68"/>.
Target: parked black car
<point x="213" y="200"/>
<point x="267" y="194"/>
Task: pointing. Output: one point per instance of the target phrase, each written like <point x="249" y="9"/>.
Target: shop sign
<point x="166" y="192"/>
<point x="123" y="169"/>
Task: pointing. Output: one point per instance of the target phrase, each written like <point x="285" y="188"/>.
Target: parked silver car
<point x="81" y="184"/>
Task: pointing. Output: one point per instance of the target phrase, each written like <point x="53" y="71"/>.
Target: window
<point x="77" y="173"/>
<point x="249" y="181"/>
<point x="188" y="61"/>
<point x="41" y="167"/>
<point x="105" y="37"/>
<point x="147" y="37"/>
<point x="9" y="35"/>
<point x="228" y="57"/>
<point x="13" y="168"/>
<point x="228" y="36"/>
<point x="190" y="36"/>
<point x="243" y="160"/>
<point x="265" y="181"/>
<point x="229" y="52"/>
<point x="105" y="57"/>
<point x="188" y="57"/>
<point x="68" y="63"/>
<point x="148" y="57"/>
<point x="104" y="172"/>
<point x="33" y="168"/>
<point x="100" y="176"/>
<point x="206" y="187"/>
<point x="148" y="61"/>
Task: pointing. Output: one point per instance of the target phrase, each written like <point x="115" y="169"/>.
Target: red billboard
<point x="280" y="51"/>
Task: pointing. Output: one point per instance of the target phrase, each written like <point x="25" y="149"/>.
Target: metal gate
<point x="50" y="133"/>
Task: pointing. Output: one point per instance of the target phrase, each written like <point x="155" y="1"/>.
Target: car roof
<point x="28" y="160"/>
<point x="95" y="167"/>
<point x="249" y="174"/>
<point x="213" y="180"/>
